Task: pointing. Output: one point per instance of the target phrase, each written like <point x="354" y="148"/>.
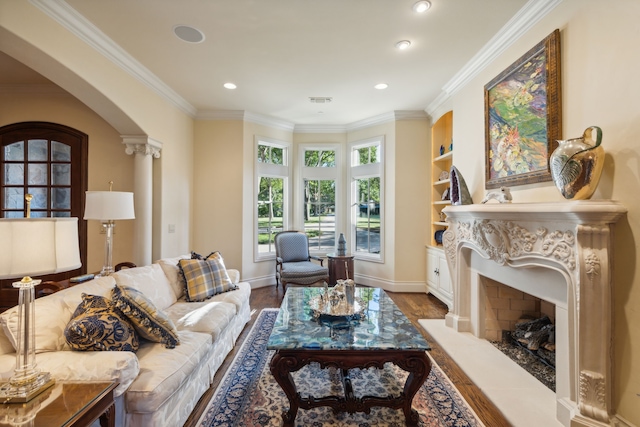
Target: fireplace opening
<point x="523" y="328"/>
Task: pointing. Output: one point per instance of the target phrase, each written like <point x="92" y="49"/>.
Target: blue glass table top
<point x="383" y="326"/>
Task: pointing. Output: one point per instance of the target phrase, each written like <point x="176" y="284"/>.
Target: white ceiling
<point x="281" y="52"/>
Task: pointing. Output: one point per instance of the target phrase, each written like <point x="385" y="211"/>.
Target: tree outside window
<point x="271" y="194"/>
<point x="319" y="210"/>
<point x="366" y="174"/>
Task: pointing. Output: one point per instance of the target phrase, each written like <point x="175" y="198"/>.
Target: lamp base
<point x="10" y="393"/>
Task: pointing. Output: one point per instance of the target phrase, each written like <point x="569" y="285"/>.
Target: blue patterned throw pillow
<point x="96" y="325"/>
<point x="205" y="277"/>
<point x="151" y="323"/>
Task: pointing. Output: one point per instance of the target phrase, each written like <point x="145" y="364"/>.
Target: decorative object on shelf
<point x="523" y="117"/>
<point x="451" y="146"/>
<point x="445" y="194"/>
<point x="444" y="175"/>
<point x="342" y="245"/>
<point x="459" y="191"/>
<point x="503" y="195"/>
<point x="576" y="165"/>
<point x="34" y="246"/>
<point x="437" y="236"/>
<point x="441" y="150"/>
<point x="108" y="206"/>
<point x="443" y="216"/>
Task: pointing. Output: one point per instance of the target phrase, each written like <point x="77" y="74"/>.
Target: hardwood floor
<point x="415" y="306"/>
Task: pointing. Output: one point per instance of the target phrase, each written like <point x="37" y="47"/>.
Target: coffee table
<point x="383" y="335"/>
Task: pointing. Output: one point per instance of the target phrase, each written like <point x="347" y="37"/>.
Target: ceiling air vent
<point x="320" y="99"/>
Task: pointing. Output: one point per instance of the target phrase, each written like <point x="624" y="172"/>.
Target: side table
<point x="340" y="267"/>
<point x="73" y="404"/>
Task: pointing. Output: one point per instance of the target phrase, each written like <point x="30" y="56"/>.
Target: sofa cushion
<point x="151" y="281"/>
<point x="238" y="297"/>
<point x="151" y="323"/>
<point x="163" y="372"/>
<point x="174" y="275"/>
<point x="209" y="317"/>
<point x="205" y="278"/>
<point x="5" y="343"/>
<point x="120" y="366"/>
<point x="97" y="325"/>
<point x="51" y="315"/>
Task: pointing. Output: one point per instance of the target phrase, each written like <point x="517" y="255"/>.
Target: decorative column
<point x="144" y="150"/>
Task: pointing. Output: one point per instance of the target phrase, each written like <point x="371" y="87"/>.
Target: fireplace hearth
<point x="558" y="252"/>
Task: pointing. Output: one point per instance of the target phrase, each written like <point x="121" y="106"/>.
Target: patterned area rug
<point x="249" y="396"/>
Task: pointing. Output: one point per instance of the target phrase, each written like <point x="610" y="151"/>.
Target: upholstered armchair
<point x="293" y="262"/>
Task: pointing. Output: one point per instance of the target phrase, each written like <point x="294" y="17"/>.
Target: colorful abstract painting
<point x="520" y="135"/>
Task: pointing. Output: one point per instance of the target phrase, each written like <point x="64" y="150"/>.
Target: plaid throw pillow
<point x="205" y="277"/>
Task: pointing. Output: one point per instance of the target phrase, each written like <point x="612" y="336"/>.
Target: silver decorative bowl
<point x="336" y="307"/>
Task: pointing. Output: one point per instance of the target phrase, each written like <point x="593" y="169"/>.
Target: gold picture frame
<point x="523" y="118"/>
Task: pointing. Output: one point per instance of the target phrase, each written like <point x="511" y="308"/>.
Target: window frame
<point x="370" y="170"/>
<point x="270" y="170"/>
<point x="320" y="174"/>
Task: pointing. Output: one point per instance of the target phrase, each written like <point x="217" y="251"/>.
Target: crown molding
<point x="78" y="25"/>
<point x="275" y="123"/>
<point x="320" y="128"/>
<point x="272" y="122"/>
<point x="220" y="115"/>
<point x="246" y="116"/>
<point x="530" y="14"/>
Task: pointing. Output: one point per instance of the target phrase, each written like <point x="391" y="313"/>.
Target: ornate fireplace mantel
<point x="560" y="252"/>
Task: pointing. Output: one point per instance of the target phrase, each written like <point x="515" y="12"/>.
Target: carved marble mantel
<point x="557" y="251"/>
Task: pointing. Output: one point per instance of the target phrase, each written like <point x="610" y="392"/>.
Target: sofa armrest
<point x="234" y="275"/>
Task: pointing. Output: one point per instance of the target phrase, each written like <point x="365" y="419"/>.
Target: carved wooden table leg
<point x="281" y="368"/>
<point x="108" y="419"/>
<point x="418" y="367"/>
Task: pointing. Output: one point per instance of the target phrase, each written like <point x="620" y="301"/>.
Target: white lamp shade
<point x="37" y="246"/>
<point x="109" y="205"/>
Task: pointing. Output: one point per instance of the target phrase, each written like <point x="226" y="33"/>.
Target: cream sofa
<point x="158" y="386"/>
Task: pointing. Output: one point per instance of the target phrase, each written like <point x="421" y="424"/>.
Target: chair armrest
<point x="49" y="287"/>
<point x="317" y="258"/>
<point x="125" y="264"/>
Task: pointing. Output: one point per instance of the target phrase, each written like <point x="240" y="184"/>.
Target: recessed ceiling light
<point x="230" y="86"/>
<point x="188" y="34"/>
<point x="381" y="86"/>
<point x="421" y="6"/>
<point x="403" y="44"/>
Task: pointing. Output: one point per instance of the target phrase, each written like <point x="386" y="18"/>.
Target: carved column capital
<point x="140" y="144"/>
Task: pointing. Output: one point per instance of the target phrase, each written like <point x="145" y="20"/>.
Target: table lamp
<point x="34" y="246"/>
<point x="108" y="206"/>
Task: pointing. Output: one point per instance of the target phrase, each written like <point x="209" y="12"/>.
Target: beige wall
<point x="411" y="186"/>
<point x="105" y="148"/>
<point x="599" y="87"/>
<point x="224" y="181"/>
<point x="218" y="195"/>
<point x="125" y="103"/>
